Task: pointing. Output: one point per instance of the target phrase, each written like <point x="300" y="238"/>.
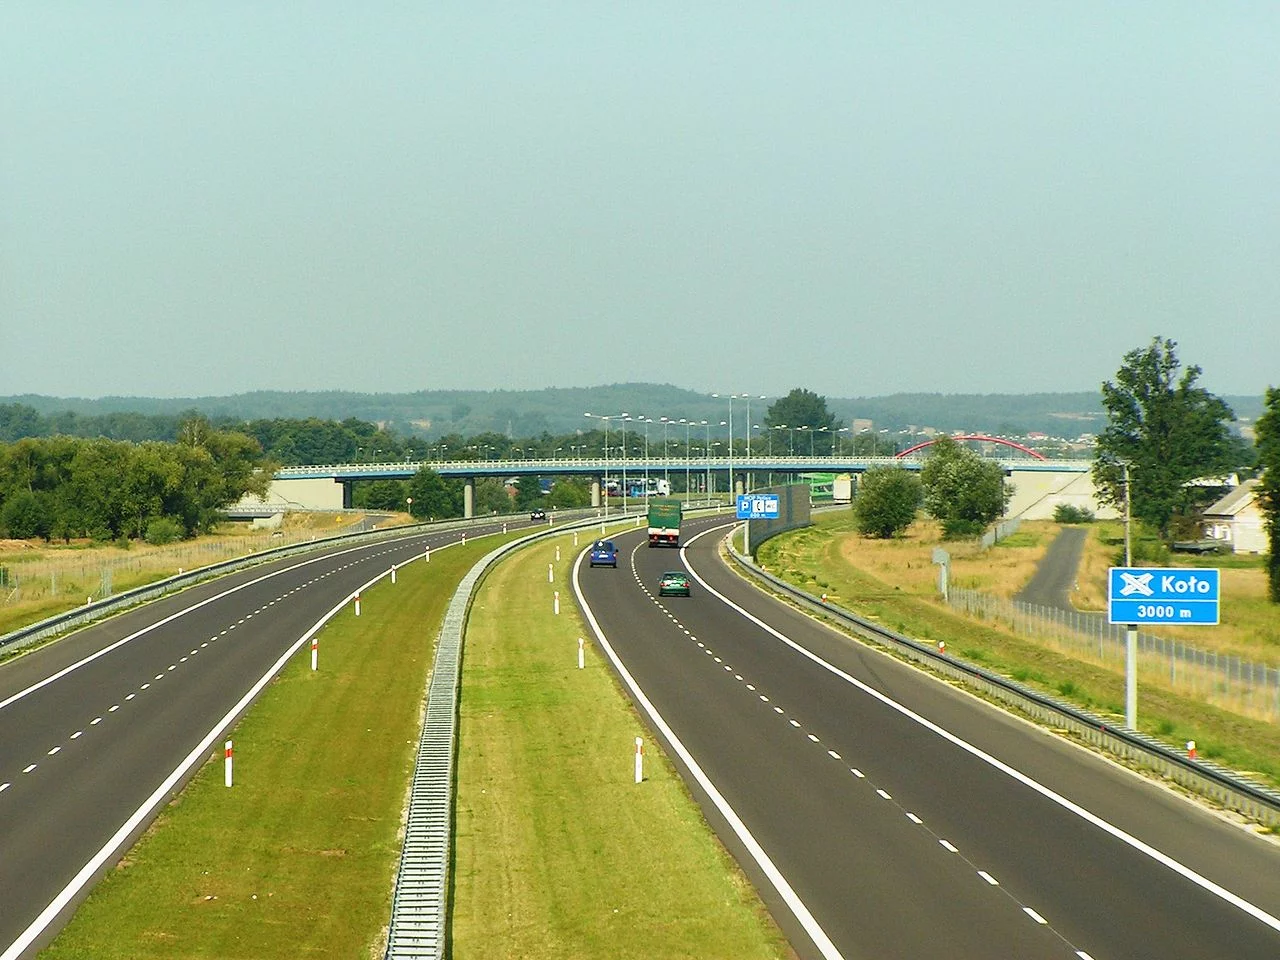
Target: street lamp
<point x="605" y="491"/>
<point x="805" y="426"/>
<point x="666" y="455"/>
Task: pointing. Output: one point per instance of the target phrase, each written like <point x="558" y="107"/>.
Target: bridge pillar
<point x="739" y="484"/>
<point x="469" y="497"/>
<point x="595" y="491"/>
<point x="346" y="494"/>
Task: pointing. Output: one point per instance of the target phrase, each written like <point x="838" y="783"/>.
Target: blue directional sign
<point x="757" y="506"/>
<point x="1162" y="595"/>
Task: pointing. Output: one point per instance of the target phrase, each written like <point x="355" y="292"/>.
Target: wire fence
<point x="1242" y="686"/>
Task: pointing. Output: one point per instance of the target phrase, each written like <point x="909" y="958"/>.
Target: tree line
<point x="71" y="487"/>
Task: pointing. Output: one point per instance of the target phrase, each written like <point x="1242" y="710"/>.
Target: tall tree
<point x="887" y="501"/>
<point x="1168" y="430"/>
<point x="1267" y="431"/>
<point x="803" y="412"/>
<point x="962" y="490"/>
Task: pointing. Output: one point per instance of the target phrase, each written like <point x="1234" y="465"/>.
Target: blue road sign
<point x="1162" y="595"/>
<point x="757" y="506"/>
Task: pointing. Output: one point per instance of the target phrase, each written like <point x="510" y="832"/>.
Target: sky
<point x="857" y="198"/>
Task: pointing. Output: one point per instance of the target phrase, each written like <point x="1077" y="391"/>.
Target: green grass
<point x="1248" y="745"/>
<point x="558" y="852"/>
<point x="297" y="859"/>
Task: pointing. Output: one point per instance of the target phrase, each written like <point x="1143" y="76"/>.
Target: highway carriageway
<point x="882" y="812"/>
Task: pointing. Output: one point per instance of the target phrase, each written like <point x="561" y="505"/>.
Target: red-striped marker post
<point x="639" y="760"/>
<point x="226" y="763"/>
<point x="315" y="650"/>
<point x="357" y="604"/>
<point x="1191" y="749"/>
<point x="464" y="539"/>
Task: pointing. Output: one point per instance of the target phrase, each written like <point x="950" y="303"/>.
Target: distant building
<point x="861" y="424"/>
<point x="1237" y="519"/>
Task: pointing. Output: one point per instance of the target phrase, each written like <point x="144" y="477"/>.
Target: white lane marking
<point x="884" y="795"/>
<point x="95" y="721"/>
<point x="798" y="909"/>
<point x="77" y="735"/>
<point x="780" y="710"/>
<point x="1071" y="806"/>
<point x="751" y="686"/>
<point x="29" y="769"/>
<point x="989" y="878"/>
<point x="4" y="787"/>
<point x="1083" y="956"/>
<point x="857" y="773"/>
<point x="737" y="676"/>
<point x="159" y="676"/>
<point x="763" y="698"/>
<point x="158" y="797"/>
<point x="114" y="707"/>
<point x="145" y="686"/>
<point x="53" y="751"/>
<point x="131" y="696"/>
<point x="833" y="755"/>
<point x="948" y="846"/>
<point x="1033" y="915"/>
<point x="913" y="818"/>
<point x="812" y="738"/>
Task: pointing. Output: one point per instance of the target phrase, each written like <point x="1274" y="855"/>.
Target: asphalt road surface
<point x="885" y="814"/>
<point x="1056" y="573"/>
<point x="100" y="729"/>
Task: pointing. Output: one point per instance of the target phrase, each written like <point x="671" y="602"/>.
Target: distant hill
<point x="559" y="410"/>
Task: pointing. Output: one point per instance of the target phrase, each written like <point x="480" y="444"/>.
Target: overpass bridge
<point x="1040" y="485"/>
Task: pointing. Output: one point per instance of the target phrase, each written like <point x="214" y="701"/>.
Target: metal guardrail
<point x="74" y="619"/>
<point x="419" y="912"/>
<point x="1202" y="777"/>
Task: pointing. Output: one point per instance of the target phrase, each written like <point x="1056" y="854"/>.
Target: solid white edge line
<point x="114" y="846"/>
<point x="1158" y="856"/>
<point x="780" y="884"/>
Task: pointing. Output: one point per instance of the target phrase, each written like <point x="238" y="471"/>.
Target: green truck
<point x="664" y="521"/>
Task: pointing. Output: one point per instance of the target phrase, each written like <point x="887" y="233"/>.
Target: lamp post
<point x="805" y="426"/>
<point x="605" y="491"/>
<point x="706" y="488"/>
<point x="647" y="421"/>
<point x="1130" y="630"/>
<point x="666" y="455"/>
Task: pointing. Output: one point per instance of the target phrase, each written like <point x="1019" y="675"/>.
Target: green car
<point x="673" y="583"/>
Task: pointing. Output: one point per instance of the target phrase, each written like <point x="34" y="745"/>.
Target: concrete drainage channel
<point x="419" y="913"/>
<point x="1201" y="777"/>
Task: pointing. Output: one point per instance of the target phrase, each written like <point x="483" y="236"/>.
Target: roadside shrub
<point x="1070" y="513"/>
<point x="163" y="530"/>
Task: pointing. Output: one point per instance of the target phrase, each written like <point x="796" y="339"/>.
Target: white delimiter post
<point x="315" y="651"/>
<point x="393" y="573"/>
<point x="639" y="760"/>
<point x="357" y="604"/>
<point x="426" y="553"/>
<point x="551" y="573"/>
<point x="556" y="606"/>
<point x="226" y="764"/>
<point x="581" y="661"/>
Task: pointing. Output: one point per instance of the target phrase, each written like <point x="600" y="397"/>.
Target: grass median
<point x="298" y="858"/>
<point x="559" y="853"/>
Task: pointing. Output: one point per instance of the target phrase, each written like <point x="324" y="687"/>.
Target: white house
<point x="1237" y="519"/>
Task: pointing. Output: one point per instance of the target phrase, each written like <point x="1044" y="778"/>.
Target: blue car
<point x="604" y="554"/>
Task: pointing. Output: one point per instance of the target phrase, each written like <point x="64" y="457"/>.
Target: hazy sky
<point x="857" y="198"/>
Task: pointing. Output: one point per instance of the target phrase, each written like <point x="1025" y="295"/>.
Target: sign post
<point x="1157" y="596"/>
<point x="755" y="506"/>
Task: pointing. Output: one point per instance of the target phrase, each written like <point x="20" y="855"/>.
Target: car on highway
<point x="673" y="583"/>
<point x="604" y="553"/>
<point x="537" y="513"/>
